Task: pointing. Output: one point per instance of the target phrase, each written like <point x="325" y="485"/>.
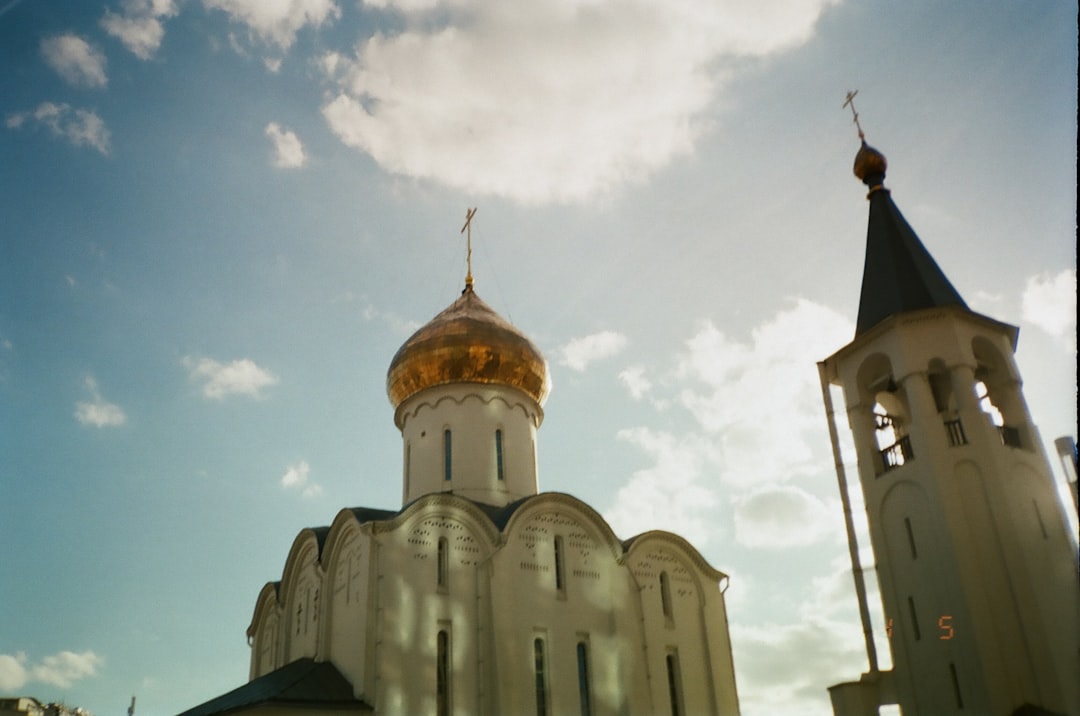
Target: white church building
<point x="481" y="594"/>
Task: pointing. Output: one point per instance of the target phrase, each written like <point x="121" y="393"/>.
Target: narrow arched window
<point x="911" y="538"/>
<point x="442" y="674"/>
<point x="447" y="455"/>
<point x="443" y="562"/>
<point x="560" y="578"/>
<point x="499" y="455"/>
<point x="583" y="678"/>
<point x="540" y="668"/>
<point x="665" y="594"/>
<point x="674" y="685"/>
<point x="956" y="686"/>
<point x="914" y="619"/>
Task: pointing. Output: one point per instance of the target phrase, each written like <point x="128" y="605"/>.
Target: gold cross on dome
<point x="469" y="214"/>
<point x="849" y="101"/>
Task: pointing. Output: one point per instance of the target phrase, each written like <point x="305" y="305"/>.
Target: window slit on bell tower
<point x="956" y="686"/>
<point x="914" y="619"/>
<point x="911" y="538"/>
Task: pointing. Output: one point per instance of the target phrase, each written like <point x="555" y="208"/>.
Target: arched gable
<point x="683" y="554"/>
<point x="586" y="516"/>
<point x="266" y="603"/>
<point x="341" y="531"/>
<point x="301" y="592"/>
<point x="306" y="549"/>
<point x="474" y="519"/>
<point x="264" y="632"/>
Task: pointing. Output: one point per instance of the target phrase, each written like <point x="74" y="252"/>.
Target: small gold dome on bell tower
<point x="870" y="166"/>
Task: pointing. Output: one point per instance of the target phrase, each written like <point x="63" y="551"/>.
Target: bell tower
<point x="977" y="568"/>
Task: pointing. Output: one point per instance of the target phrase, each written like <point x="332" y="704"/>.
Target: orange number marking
<point x="945" y="625"/>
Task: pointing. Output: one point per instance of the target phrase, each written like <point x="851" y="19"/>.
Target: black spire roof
<point x="899" y="275"/>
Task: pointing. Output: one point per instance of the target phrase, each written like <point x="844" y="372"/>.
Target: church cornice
<point x="900" y="320"/>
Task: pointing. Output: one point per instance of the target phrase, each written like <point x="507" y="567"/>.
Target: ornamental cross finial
<point x="850" y="102"/>
<point x="469" y="214"/>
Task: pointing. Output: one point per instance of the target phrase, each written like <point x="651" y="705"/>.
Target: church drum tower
<point x="977" y="568"/>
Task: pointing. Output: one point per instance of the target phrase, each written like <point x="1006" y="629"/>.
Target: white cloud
<point x="139" y="26"/>
<point x="760" y="422"/>
<point x="75" y="59"/>
<point x="296" y="477"/>
<point x="1049" y="302"/>
<point x="238" y="377"/>
<point x="580" y="352"/>
<point x="288" y="150"/>
<point x="548" y="101"/>
<point x="81" y="127"/>
<point x="673" y="493"/>
<point x="61" y="670"/>
<point x="784" y="516"/>
<point x="67" y="667"/>
<point x="635" y="381"/>
<point x="277" y="22"/>
<point x="758" y="397"/>
<point x="13" y="672"/>
<point x="811" y="655"/>
<point x="98" y="412"/>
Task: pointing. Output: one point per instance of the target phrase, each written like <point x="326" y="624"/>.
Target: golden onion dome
<point x="467" y="343"/>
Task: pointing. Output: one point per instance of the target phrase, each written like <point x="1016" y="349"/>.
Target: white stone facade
<point x="625" y="626"/>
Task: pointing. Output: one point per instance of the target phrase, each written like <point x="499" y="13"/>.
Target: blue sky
<point x="220" y="219"/>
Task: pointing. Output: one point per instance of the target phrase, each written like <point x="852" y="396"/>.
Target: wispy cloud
<point x="580" y="352"/>
<point x="75" y="59"/>
<point x="221" y="380"/>
<point x="288" y="150"/>
<point x="673" y="492"/>
<point x="749" y="395"/>
<point x="277" y="22"/>
<point x="81" y="127"/>
<point x="98" y="412"/>
<point x="746" y="398"/>
<point x="587" y="96"/>
<point x="635" y="381"/>
<point x="61" y="670"/>
<point x="1049" y="303"/>
<point x="138" y="26"/>
<point x="297" y="478"/>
